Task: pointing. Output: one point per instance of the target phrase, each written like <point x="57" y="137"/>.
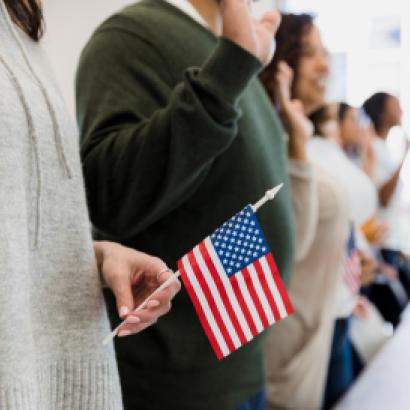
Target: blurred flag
<point x="352" y="268"/>
<point x="234" y="284"/>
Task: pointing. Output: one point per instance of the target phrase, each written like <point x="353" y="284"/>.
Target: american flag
<point x="352" y="266"/>
<point x="234" y="284"/>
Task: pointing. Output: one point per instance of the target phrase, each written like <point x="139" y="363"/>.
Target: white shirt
<point x="360" y="189"/>
<point x="186" y="7"/>
<point x="384" y="168"/>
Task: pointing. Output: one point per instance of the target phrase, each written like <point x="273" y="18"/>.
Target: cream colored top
<point x="298" y="348"/>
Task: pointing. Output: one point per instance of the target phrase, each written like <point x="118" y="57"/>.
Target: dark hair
<point x="329" y="111"/>
<point x="28" y="15"/>
<point x="343" y="110"/>
<point x="289" y="47"/>
<point x="374" y="107"/>
<point x="317" y="118"/>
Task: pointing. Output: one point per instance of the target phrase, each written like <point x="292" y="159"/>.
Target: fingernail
<point x="153" y="303"/>
<point x="123" y="333"/>
<point x="133" y="319"/>
<point x="123" y="311"/>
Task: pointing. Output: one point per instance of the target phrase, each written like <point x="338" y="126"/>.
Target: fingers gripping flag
<point x="234" y="284"/>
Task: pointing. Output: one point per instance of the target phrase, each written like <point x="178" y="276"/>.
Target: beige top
<point x="298" y="348"/>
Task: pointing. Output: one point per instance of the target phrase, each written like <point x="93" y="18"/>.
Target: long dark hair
<point x="343" y="110"/>
<point x="28" y="15"/>
<point x="289" y="48"/>
<point x="374" y="107"/>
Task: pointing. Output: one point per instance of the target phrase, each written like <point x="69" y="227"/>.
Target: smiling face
<point x="312" y="72"/>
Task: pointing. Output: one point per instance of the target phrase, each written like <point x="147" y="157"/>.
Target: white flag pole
<point x="267" y="197"/>
<point x="175" y="276"/>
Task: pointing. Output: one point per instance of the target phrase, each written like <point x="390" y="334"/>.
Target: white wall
<point x="70" y="23"/>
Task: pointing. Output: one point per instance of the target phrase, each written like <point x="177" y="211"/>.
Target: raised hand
<point x="255" y="37"/>
<point x="298" y="126"/>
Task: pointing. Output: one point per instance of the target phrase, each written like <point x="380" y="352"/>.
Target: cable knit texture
<point x="53" y="318"/>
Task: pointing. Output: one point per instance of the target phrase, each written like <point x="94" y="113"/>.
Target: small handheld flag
<point x="233" y="282"/>
<point x="352" y="266"/>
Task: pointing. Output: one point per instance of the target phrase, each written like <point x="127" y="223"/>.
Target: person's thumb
<point x="122" y="289"/>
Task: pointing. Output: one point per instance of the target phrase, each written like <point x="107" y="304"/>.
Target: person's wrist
<point x="297" y="149"/>
<point x="102" y="250"/>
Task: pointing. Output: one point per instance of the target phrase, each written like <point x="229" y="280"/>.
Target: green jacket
<point x="177" y="136"/>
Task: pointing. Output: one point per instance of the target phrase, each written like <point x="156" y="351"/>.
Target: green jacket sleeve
<point x="146" y="144"/>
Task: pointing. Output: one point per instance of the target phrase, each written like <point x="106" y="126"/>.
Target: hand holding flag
<point x="233" y="282"/>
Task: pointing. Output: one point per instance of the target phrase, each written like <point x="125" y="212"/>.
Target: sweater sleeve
<point x="147" y="146"/>
<point x="305" y="206"/>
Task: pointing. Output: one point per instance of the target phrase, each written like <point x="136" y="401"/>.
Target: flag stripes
<point x="233" y="309"/>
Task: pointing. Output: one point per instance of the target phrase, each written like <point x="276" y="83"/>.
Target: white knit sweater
<point x="52" y="315"/>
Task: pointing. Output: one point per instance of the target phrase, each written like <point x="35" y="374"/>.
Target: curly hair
<point x="289" y="48"/>
<point x="28" y="15"/>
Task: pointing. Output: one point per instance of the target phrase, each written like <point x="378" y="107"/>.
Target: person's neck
<point x="308" y="108"/>
<point x="210" y="11"/>
<point x="384" y="132"/>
